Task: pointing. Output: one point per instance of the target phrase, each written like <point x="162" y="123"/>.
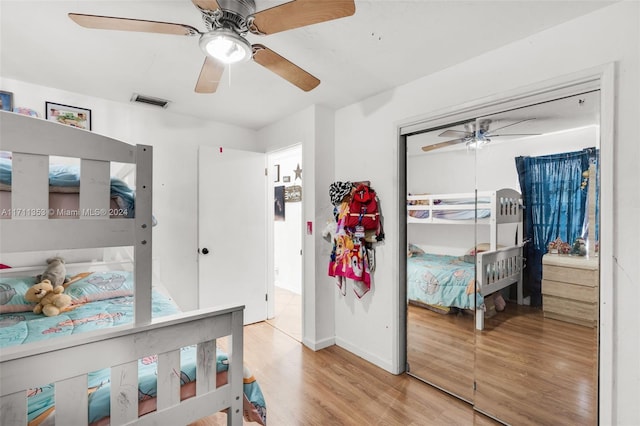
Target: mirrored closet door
<point x="537" y="362"/>
<point x="502" y="265"/>
<point x="440" y="260"/>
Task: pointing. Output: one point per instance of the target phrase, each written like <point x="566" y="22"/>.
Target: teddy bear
<point x="50" y="300"/>
<point x="55" y="272"/>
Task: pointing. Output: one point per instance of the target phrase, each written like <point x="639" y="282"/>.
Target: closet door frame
<point x="598" y="78"/>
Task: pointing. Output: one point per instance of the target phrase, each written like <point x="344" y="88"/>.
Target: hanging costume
<point x="352" y="254"/>
<point x="349" y="258"/>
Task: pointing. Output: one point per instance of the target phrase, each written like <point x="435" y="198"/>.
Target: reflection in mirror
<point x="536" y="363"/>
<point x="529" y="180"/>
<point x="441" y="262"/>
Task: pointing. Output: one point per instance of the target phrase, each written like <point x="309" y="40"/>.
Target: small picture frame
<point x="276" y="173"/>
<point x="286" y="179"/>
<point x="6" y="101"/>
<point x="293" y="194"/>
<point x="68" y="115"/>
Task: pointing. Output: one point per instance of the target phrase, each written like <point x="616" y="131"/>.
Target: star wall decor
<point x="298" y="172"/>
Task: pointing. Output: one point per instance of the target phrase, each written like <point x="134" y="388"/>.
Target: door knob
<point x="205" y="251"/>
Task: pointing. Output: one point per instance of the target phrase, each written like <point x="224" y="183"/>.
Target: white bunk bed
<point x="64" y="361"/>
<point x="496" y="268"/>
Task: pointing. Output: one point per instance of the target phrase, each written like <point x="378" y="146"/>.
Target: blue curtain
<point x="554" y="192"/>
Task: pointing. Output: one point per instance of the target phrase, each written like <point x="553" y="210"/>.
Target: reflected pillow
<point x="479" y="248"/>
<point x="414" y="250"/>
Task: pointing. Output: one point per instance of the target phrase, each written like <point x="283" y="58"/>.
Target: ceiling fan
<point x="228" y="22"/>
<point x="475" y="134"/>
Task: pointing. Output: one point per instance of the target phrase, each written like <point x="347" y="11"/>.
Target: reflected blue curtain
<point x="554" y="192"/>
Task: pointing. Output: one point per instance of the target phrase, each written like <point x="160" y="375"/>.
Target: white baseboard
<point x="375" y="360"/>
<point x="316" y="346"/>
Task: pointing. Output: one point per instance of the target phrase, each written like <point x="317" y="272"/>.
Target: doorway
<point x="285" y="306"/>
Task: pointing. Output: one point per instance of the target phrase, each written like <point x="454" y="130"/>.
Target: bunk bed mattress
<point x="469" y="214"/>
<point x="103" y="300"/>
<point x="442" y="280"/>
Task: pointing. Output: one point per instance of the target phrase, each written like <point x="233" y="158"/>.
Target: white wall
<point x="313" y="128"/>
<point x="366" y="147"/>
<point x="175" y="139"/>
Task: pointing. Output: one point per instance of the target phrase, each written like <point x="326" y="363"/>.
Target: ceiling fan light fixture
<point x="477" y="142"/>
<point x="226" y="46"/>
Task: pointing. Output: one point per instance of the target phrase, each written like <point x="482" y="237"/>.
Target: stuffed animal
<point x="579" y="247"/>
<point x="50" y="300"/>
<point x="56" y="272"/>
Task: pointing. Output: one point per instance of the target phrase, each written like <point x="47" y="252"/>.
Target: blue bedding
<point x="24" y="327"/>
<point x="442" y="280"/>
<point x="68" y="176"/>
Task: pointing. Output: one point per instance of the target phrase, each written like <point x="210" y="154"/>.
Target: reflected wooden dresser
<point x="570" y="288"/>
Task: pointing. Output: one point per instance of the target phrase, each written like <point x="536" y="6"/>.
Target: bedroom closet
<point x="502" y="263"/>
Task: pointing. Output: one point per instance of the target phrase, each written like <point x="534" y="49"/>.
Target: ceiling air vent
<point x="150" y="100"/>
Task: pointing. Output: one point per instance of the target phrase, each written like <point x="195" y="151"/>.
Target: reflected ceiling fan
<point x="475" y="134"/>
<point x="228" y="22"/>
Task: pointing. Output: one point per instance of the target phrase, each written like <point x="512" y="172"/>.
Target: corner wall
<point x="313" y="128"/>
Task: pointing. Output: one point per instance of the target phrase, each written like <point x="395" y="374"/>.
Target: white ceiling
<point x="386" y="43"/>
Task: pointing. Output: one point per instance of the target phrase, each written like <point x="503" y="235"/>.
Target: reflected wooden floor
<point x="529" y="370"/>
<point x="287" y="313"/>
<point x="441" y="348"/>
<point x="536" y="370"/>
<point x="334" y="387"/>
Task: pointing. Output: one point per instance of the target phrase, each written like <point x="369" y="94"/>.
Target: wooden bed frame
<point x="64" y="360"/>
<point x="499" y="267"/>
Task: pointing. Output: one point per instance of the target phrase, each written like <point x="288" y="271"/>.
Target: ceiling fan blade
<point x="439" y="145"/>
<point x="512" y="134"/>
<point x="454" y="133"/>
<point x="206" y="4"/>
<point x="284" y="68"/>
<point x="513" y="124"/>
<point x="210" y="76"/>
<point x="299" y="13"/>
<point x="126" y="24"/>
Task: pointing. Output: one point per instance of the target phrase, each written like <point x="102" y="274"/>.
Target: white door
<point x="232" y="230"/>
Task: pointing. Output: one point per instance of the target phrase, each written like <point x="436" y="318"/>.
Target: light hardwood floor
<point x="287" y="313"/>
<point x="334" y="387"/>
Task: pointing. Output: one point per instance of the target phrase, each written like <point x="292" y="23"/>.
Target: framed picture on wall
<point x="6" y="101"/>
<point x="69" y="115"/>
<point x="276" y="173"/>
<point x="293" y="194"/>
